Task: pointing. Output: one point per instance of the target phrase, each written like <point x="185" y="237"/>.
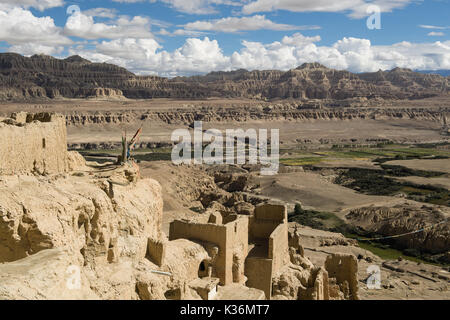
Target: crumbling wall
<point x="267" y="227"/>
<point x="273" y="212"/>
<point x="232" y="240"/>
<point x="266" y="219"/>
<point x="33" y="143"/>
<point x="259" y="274"/>
<point x="156" y="251"/>
<point x="344" y="268"/>
<point x="213" y="233"/>
<point x="238" y="238"/>
<point x="320" y="289"/>
<point x="279" y="247"/>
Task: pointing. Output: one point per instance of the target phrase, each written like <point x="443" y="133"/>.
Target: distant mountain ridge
<point x="444" y="73"/>
<point x="43" y="76"/>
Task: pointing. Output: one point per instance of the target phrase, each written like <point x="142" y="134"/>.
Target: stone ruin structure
<point x="108" y="223"/>
<point x="258" y="252"/>
<point x="34" y="143"/>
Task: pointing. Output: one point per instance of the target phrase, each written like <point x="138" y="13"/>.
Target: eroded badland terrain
<point x="363" y="183"/>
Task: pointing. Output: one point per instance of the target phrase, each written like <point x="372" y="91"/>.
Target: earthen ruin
<point x="107" y="221"/>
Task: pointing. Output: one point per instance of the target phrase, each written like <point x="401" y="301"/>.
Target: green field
<point x="378" y="154"/>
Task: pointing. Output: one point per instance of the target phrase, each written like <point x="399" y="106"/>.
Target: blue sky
<point x="182" y="37"/>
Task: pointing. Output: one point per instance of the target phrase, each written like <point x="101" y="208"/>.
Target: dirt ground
<point x="437" y="165"/>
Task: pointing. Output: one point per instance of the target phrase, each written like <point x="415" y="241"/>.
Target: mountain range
<point x="46" y="77"/>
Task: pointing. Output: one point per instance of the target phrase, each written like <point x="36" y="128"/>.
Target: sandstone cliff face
<point x="46" y="77"/>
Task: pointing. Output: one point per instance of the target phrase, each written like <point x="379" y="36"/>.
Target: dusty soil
<point x="314" y="190"/>
<point x="437" y="165"/>
<point x="439" y="182"/>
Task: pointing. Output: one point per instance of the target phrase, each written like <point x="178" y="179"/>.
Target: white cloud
<point x="191" y="6"/>
<point x="424" y="26"/>
<point x="38" y="4"/>
<point x="131" y="43"/>
<point x="82" y="25"/>
<point x="436" y="34"/>
<point x="29" y="49"/>
<point x="134" y="49"/>
<point x="146" y="56"/>
<point x="142" y="56"/>
<point x="29" y="34"/>
<point x="357" y="8"/>
<point x="181" y="32"/>
<point x="101" y="12"/>
<point x="234" y="24"/>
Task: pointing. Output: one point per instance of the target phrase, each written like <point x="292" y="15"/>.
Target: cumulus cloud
<point x="142" y="56"/>
<point x="197" y="56"/>
<point x="82" y="25"/>
<point x="29" y="49"/>
<point x="129" y="42"/>
<point x="234" y="24"/>
<point x="101" y="12"/>
<point x="29" y="34"/>
<point x="38" y="4"/>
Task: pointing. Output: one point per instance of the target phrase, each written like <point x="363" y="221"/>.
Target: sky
<point x="187" y="37"/>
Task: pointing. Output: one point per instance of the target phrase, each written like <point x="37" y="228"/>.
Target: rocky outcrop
<point x="95" y="220"/>
<point x="46" y="77"/>
<point x="422" y="228"/>
<point x="44" y="276"/>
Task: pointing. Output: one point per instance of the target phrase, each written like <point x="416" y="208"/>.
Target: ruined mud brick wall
<point x="33" y="143"/>
<point x="259" y="273"/>
<point x="344" y="267"/>
<point x="268" y="224"/>
<point x="266" y="219"/>
<point x="279" y="247"/>
<point x="321" y="287"/>
<point x="232" y="240"/>
<point x="156" y="251"/>
<point x="238" y="239"/>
